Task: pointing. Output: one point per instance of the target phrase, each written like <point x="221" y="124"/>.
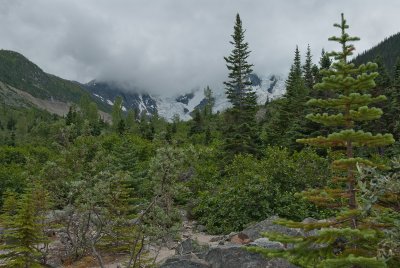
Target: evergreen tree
<point x="11" y="123"/>
<point x="117" y="112"/>
<point x="208" y="137"/>
<point x="168" y="133"/>
<point x="238" y="88"/>
<point x="121" y="127"/>
<point x="315" y="74"/>
<point x="12" y="139"/>
<point x="175" y="122"/>
<point x="350" y="239"/>
<point x="210" y="101"/>
<point x="391" y="122"/>
<point x="130" y="120"/>
<point x="383" y="80"/>
<point x="92" y="113"/>
<point x="23" y="231"/>
<point x="146" y="127"/>
<point x="382" y="87"/>
<point x="84" y="104"/>
<point x="241" y="132"/>
<point x="285" y="123"/>
<point x="396" y="77"/>
<point x="325" y="61"/>
<point x="324" y="64"/>
<point x="197" y="123"/>
<point x="71" y="116"/>
<point x="295" y="82"/>
<point x="308" y="70"/>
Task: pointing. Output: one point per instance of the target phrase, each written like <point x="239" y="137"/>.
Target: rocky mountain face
<point x="266" y="88"/>
<point x="20" y="73"/>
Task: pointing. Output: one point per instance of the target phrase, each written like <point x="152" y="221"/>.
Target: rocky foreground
<point x="200" y="250"/>
<point x="229" y="251"/>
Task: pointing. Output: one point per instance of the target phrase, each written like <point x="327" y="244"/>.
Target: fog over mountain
<point x="168" y="47"/>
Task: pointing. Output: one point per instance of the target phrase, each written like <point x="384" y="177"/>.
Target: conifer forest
<point x="108" y="175"/>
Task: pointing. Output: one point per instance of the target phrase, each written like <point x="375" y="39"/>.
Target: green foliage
<point x="250" y="192"/>
<point x="284" y="121"/>
<point x="23" y="220"/>
<point x="238" y="88"/>
<point x="351" y="239"/>
<point x="309" y="79"/>
<point x="295" y="86"/>
<point x="388" y="50"/>
<point x="126" y="182"/>
<point x="240" y="131"/>
<point x="117" y="113"/>
<point x="210" y="101"/>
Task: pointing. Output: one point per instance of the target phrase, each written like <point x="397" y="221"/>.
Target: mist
<point x="169" y="47"/>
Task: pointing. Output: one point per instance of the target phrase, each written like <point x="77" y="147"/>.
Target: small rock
<point x="237" y="257"/>
<point x="229" y="236"/>
<point x="265" y="243"/>
<point x="268" y="225"/>
<point x="186" y="261"/>
<point x="185" y="247"/>
<point x="309" y="220"/>
<point x="240" y="239"/>
<point x="189" y="246"/>
<point x="217" y="239"/>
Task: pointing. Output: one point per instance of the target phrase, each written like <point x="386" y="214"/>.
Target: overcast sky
<point x="172" y="46"/>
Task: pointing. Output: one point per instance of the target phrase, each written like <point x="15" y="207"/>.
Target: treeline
<point x="388" y="50"/>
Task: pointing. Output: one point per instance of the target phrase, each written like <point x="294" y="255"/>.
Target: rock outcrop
<point x="230" y="251"/>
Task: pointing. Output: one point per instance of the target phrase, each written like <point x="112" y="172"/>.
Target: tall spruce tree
<point x="295" y="83"/>
<point x="352" y="238"/>
<point x="308" y="69"/>
<point x="324" y="64"/>
<point x="285" y="116"/>
<point x="238" y="87"/>
<point x="240" y="134"/>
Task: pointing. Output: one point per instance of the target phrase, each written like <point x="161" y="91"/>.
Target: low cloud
<point x="173" y="46"/>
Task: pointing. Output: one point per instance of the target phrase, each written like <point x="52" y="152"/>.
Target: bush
<point x="253" y="190"/>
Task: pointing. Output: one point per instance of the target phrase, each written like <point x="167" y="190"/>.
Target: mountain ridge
<point x="388" y="50"/>
<point x="46" y="90"/>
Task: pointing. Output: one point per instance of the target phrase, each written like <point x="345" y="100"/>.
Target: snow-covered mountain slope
<point x="266" y="88"/>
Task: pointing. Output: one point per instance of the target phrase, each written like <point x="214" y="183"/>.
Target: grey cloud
<point x="170" y="46"/>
